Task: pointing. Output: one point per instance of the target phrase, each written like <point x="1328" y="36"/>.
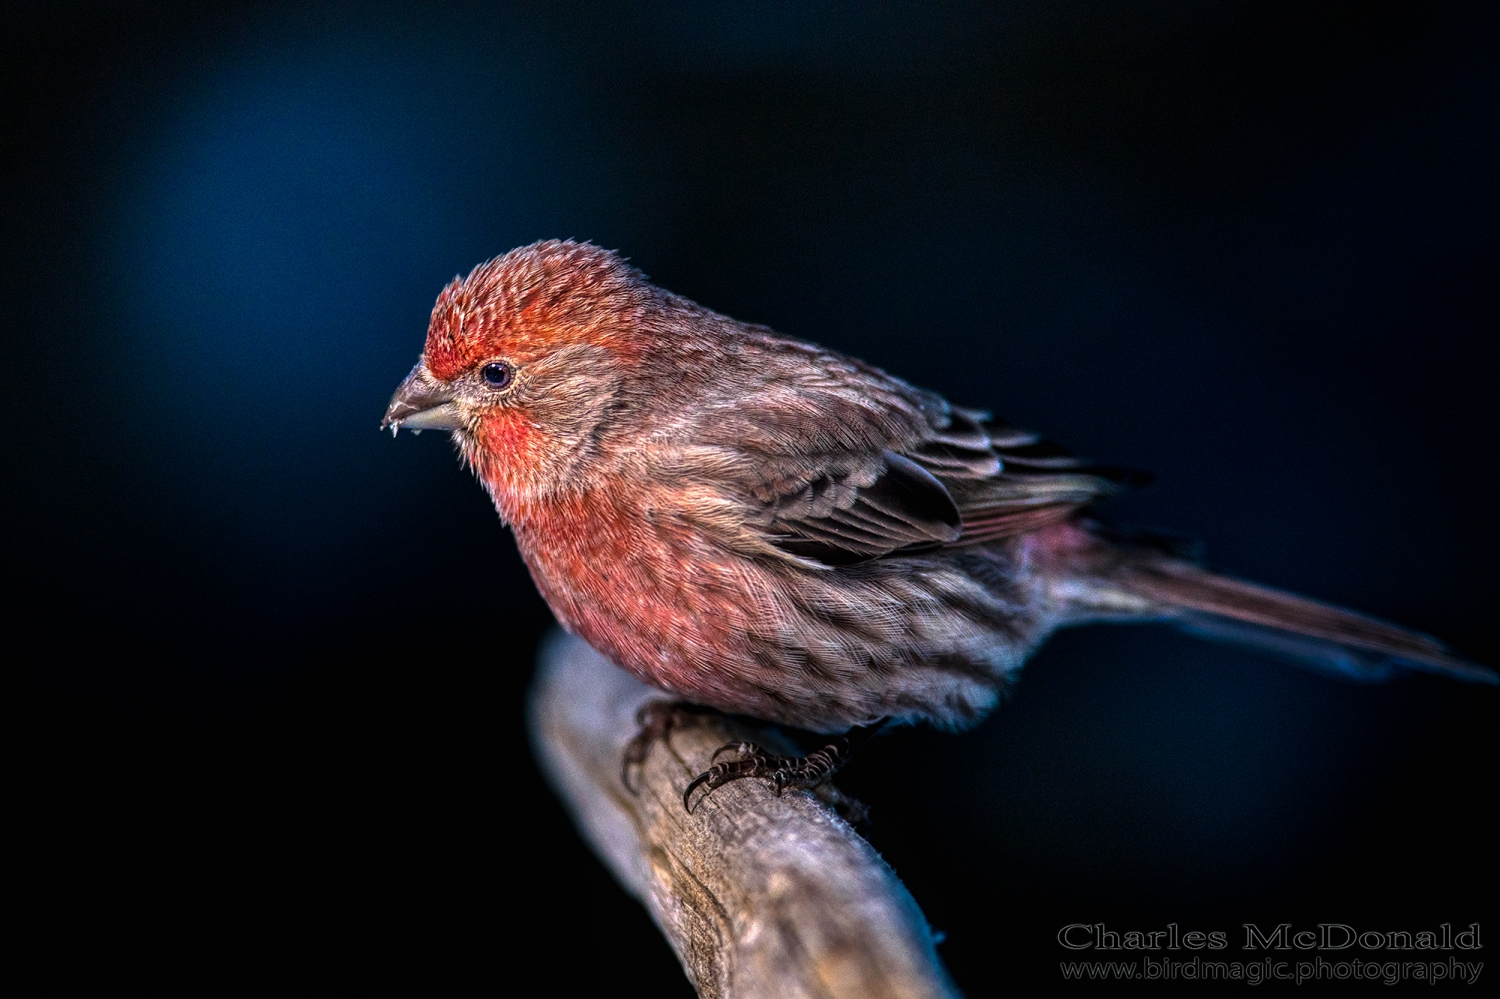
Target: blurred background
<point x="269" y="664"/>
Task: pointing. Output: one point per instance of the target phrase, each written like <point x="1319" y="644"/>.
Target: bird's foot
<point x="656" y="719"/>
<point x="784" y="772"/>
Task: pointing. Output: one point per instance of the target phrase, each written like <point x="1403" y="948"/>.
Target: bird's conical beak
<point x="422" y="402"/>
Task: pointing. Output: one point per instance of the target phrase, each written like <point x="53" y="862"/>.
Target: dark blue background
<point x="271" y="663"/>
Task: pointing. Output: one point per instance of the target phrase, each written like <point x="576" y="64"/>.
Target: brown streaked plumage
<point x="769" y="528"/>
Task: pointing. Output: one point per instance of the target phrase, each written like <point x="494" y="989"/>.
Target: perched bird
<point x="768" y="528"/>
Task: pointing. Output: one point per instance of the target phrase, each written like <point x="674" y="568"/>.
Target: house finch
<point x="769" y="528"/>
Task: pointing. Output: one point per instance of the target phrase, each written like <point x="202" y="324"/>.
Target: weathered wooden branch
<point x="760" y="896"/>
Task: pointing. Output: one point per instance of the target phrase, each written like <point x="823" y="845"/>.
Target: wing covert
<point x="842" y="463"/>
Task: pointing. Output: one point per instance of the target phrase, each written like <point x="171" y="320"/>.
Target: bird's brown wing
<point x="856" y="465"/>
<point x="859" y="508"/>
<point x="1035" y="483"/>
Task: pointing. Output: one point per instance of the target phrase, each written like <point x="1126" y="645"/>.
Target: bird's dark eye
<point x="495" y="374"/>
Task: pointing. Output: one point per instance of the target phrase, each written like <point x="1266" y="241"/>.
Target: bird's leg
<point x="656" y="719"/>
<point x="782" y="771"/>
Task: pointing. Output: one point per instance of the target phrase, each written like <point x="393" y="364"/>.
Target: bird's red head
<point x="524" y="359"/>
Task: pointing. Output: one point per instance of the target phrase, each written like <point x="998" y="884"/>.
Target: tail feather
<point x="1314" y="634"/>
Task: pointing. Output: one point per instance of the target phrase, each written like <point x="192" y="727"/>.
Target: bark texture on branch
<point x="759" y="896"/>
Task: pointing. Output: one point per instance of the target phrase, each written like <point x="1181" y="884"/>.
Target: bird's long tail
<point x="1311" y="633"/>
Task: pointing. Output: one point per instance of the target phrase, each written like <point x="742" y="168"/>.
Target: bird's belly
<point x="918" y="639"/>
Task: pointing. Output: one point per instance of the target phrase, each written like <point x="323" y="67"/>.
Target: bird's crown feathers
<point x="526" y="303"/>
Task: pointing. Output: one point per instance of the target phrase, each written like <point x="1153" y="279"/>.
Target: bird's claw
<point x="744" y="750"/>
<point x="656" y="720"/>
<point x="782" y="771"/>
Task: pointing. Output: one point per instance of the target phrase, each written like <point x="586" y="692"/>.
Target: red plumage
<point x="763" y="526"/>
